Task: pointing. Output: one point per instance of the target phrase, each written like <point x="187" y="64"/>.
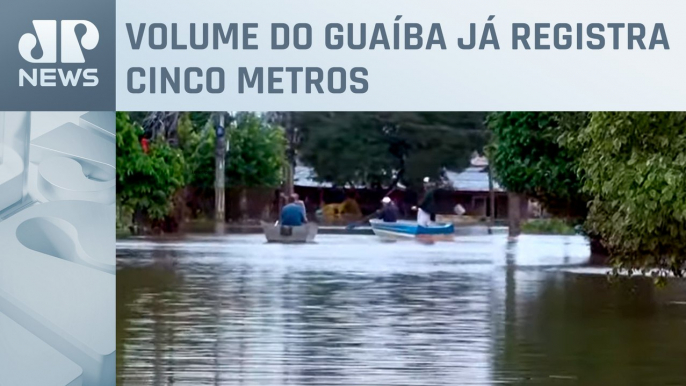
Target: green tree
<point x="150" y="184"/>
<point x="197" y="142"/>
<point x="255" y="157"/>
<point x="528" y="158"/>
<point x="256" y="152"/>
<point x="634" y="167"/>
<point x="146" y="182"/>
<point x="381" y="148"/>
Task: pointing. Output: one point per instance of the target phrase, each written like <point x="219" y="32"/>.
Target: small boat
<point x="410" y="229"/>
<point x="276" y="233"/>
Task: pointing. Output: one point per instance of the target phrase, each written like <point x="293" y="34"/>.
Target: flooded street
<point x="350" y="310"/>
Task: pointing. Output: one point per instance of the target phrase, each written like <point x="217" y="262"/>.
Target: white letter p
<point x="71" y="47"/>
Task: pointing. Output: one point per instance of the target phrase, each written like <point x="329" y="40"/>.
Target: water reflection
<point x="352" y="311"/>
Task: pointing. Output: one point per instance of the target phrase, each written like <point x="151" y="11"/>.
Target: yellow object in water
<point x="330" y="211"/>
<point x="348" y="209"/>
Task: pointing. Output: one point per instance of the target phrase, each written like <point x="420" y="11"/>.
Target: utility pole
<point x="219" y="179"/>
<point x="291" y="137"/>
<point x="286" y="121"/>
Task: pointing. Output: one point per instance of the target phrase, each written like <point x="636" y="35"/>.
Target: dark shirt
<point x="389" y="213"/>
<point x="428" y="204"/>
<point x="293" y="215"/>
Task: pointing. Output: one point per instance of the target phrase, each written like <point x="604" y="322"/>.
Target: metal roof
<point x="472" y="179"/>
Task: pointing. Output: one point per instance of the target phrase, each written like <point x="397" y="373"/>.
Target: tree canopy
<point x="528" y="158"/>
<point x="197" y="140"/>
<point x="380" y="148"/>
<point x="182" y="154"/>
<point x="634" y="167"/>
<point x="145" y="181"/>
<point x="624" y="173"/>
<point x="256" y="152"/>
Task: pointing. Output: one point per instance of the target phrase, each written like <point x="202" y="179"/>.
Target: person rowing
<point x="388" y="211"/>
<point x="426" y="213"/>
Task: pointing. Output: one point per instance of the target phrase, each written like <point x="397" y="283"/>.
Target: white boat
<point x="277" y="233"/>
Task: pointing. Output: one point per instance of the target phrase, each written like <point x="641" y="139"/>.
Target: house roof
<point x="472" y="179"/>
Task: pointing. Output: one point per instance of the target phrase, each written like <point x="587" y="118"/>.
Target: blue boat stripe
<point x="413" y="228"/>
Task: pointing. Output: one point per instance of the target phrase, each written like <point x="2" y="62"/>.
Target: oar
<point x="352" y="226"/>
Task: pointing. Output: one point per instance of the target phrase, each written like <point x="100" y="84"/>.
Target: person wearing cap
<point x="388" y="211"/>
<point x="426" y="213"/>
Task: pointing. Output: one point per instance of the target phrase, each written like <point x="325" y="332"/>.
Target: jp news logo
<point x="70" y="47"/>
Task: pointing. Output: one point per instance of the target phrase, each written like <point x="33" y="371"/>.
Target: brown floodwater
<point x="350" y="310"/>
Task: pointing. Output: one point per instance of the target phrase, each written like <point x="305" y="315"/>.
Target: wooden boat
<point x="276" y="233"/>
<point x="411" y="230"/>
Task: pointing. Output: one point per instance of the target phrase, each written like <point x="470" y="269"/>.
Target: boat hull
<point x="411" y="230"/>
<point x="290" y="235"/>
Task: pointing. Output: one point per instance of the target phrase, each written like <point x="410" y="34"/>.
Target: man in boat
<point x="388" y="211"/>
<point x="293" y="214"/>
<point x="426" y="213"/>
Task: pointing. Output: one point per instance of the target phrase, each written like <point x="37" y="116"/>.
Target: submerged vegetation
<point x="634" y="168"/>
<point x="623" y="174"/>
<point x="547" y="226"/>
